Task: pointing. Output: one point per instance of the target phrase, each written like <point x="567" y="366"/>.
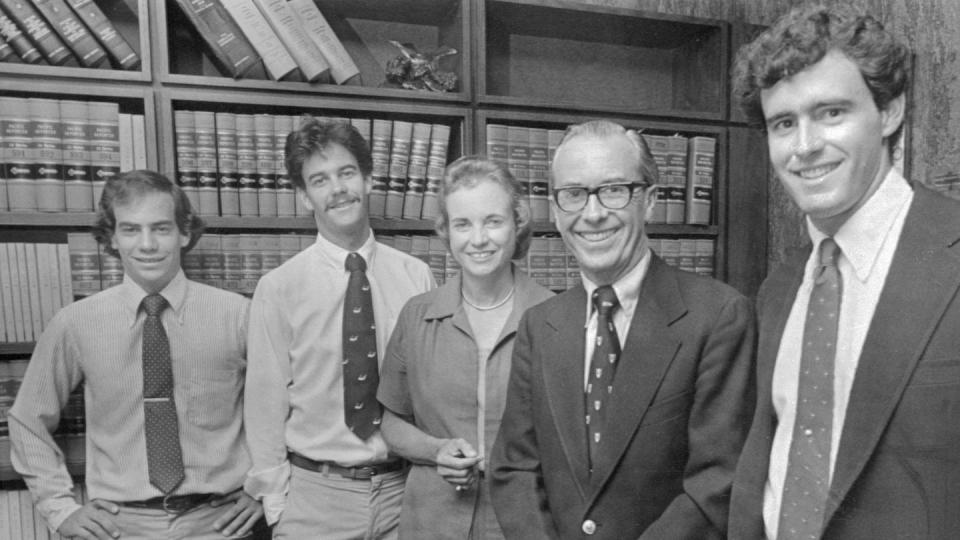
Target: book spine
<point x="437" y="258"/>
<point x="6" y="298"/>
<point x="139" y="141"/>
<point x="104" y="144"/>
<point x="31" y="22"/>
<point x="436" y="164"/>
<point x="676" y="177"/>
<point x="399" y="164"/>
<point x="417" y="171"/>
<point x="21" y="312"/>
<point x="498" y="145"/>
<point x="228" y="177"/>
<point x="275" y="57"/>
<point x="72" y="31"/>
<point x="212" y="260"/>
<point x="44" y="265"/>
<point x="185" y="146"/>
<point x="702" y="154"/>
<point x="557" y="263"/>
<point x="265" y="145"/>
<point x="19" y="41"/>
<point x="658" y="149"/>
<point x="227" y="45"/>
<point x="518" y="157"/>
<point x="573" y="270"/>
<point x="231" y="246"/>
<point x="111" y="270"/>
<point x="17" y="163"/>
<point x="6" y="467"/>
<point x="380" y="153"/>
<point x="106" y="33"/>
<point x="63" y="266"/>
<point x="252" y="267"/>
<point x="46" y="144"/>
<point x="284" y="21"/>
<point x="554" y="136"/>
<point x="84" y="264"/>
<point x="286" y="193"/>
<point x="342" y="67"/>
<point x="205" y="132"/>
<point x="125" y="126"/>
<point x="247" y="166"/>
<point x="540" y="261"/>
<point x="78" y="187"/>
<point x="539" y="176"/>
<point x="27" y="266"/>
<point x="703" y="260"/>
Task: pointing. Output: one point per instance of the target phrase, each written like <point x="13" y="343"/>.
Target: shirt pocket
<point x="215" y="398"/>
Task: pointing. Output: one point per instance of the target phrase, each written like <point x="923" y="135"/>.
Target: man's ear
<point x="892" y="115"/>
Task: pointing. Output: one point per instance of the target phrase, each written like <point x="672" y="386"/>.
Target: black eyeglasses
<point x="612" y="196"/>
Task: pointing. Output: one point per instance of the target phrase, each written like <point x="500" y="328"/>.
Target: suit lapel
<point x="563" y="380"/>
<point x="650" y="348"/>
<point x="922" y="281"/>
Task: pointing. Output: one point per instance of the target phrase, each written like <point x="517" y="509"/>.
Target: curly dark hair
<point x="314" y="135"/>
<point x="468" y="171"/>
<point x="802" y="38"/>
<point x="125" y="187"/>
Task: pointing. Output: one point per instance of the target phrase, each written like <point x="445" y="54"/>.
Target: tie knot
<point x="356" y="263"/>
<point x="605" y="299"/>
<point x="154" y="304"/>
<point x="829" y="252"/>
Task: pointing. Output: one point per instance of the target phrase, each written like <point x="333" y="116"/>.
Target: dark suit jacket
<point x="682" y="402"/>
<point x="897" y="473"/>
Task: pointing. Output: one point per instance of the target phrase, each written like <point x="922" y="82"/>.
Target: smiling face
<point x="607" y="243"/>
<point x="481" y="229"/>
<point x="336" y="191"/>
<point x="148" y="240"/>
<point x="827" y="139"/>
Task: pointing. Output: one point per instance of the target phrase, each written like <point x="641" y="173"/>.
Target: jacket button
<point x="589" y="527"/>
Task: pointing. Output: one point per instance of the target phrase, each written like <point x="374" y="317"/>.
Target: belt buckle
<point x="175" y="504"/>
<point x="364" y="473"/>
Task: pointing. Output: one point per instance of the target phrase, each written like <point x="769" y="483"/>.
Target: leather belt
<point x="364" y="472"/>
<point x="173" y="504"/>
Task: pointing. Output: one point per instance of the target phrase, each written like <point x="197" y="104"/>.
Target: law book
<point x="231" y="247"/>
<point x="111" y="270"/>
<point x="121" y="53"/>
<point x="286" y="191"/>
<point x="557" y="263"/>
<point x="84" y="264"/>
<point x="380" y="154"/>
<point x="14" y="504"/>
<point x="450" y="267"/>
<point x="247" y="166"/>
<point x="675" y="176"/>
<point x="286" y="24"/>
<point x="46" y="153"/>
<point x="518" y="156"/>
<point x="27" y="267"/>
<point x="699" y="179"/>
<point x="6" y="296"/>
<point x="32" y="23"/>
<point x="554" y="136"/>
<point x="265" y="146"/>
<point x="573" y="270"/>
<point x="17" y="163"/>
<point x="276" y="58"/>
<point x="400" y="142"/>
<point x="436" y="165"/>
<point x="540" y="260"/>
<point x="670" y="251"/>
<point x="191" y="262"/>
<point x="77" y="182"/>
<point x="539" y="167"/>
<point x="18" y="41"/>
<point x="658" y="149"/>
<point x="342" y="66"/>
<point x="228" y="47"/>
<point x="63" y="274"/>
<point x="252" y="266"/>
<point x="185" y="146"/>
<point x="21" y="319"/>
<point x="227" y="174"/>
<point x="498" y="143"/>
<point x="417" y="171"/>
<point x="104" y="144"/>
<point x="437" y="258"/>
<point x="205" y="136"/>
<point x="125" y="128"/>
<point x="420" y="247"/>
<point x="72" y="31"/>
<point x="403" y="243"/>
<point x="49" y="299"/>
<point x="139" y="141"/>
<point x="211" y="259"/>
<point x="703" y="260"/>
<point x="27" y="529"/>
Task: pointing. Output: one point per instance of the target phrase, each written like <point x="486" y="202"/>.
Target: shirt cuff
<point x="57" y="511"/>
<point x="273" y="507"/>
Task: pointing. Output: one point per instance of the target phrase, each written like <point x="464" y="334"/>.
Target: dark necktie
<point x="606" y="352"/>
<point x="807" y="482"/>
<point x="360" y="370"/>
<point x="164" y="457"/>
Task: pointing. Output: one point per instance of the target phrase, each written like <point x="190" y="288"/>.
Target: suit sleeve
<point x="519" y="499"/>
<point x="717" y="427"/>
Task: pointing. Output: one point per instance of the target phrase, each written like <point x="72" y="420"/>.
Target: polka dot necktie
<point x="164" y="457"/>
<point x="807" y="483"/>
<point x="606" y="352"/>
<point x="360" y="372"/>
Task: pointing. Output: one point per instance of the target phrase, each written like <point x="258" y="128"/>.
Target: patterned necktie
<point x="164" y="457"/>
<point x="606" y="351"/>
<point x="360" y="369"/>
<point x="807" y="483"/>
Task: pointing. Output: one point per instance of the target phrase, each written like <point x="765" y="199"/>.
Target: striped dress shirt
<point x="97" y="342"/>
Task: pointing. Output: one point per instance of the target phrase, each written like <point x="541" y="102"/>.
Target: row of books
<point x="56" y="155"/>
<point x="34" y="284"/>
<point x="232" y="164"/>
<point x="290" y="38"/>
<point x="686" y="166"/>
<point x="59" y="32"/>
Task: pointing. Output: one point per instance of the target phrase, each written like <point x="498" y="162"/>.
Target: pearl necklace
<point x="489" y="308"/>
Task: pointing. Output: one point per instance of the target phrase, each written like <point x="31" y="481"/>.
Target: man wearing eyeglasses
<point x="630" y="396"/>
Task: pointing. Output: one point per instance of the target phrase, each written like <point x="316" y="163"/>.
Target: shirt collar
<point x="336" y="256"/>
<point x="627" y="287"/>
<point x="863" y="235"/>
<point x="132" y="296"/>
